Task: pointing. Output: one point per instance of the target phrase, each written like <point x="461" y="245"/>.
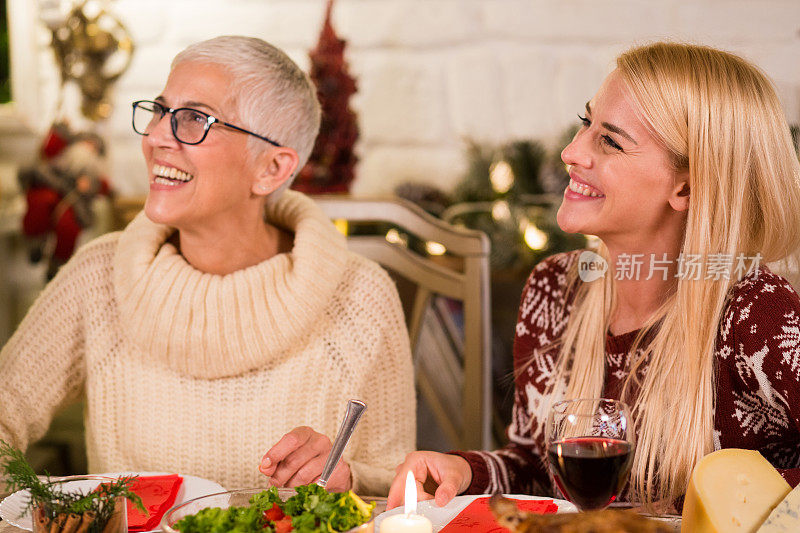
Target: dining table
<point x="673" y="521"/>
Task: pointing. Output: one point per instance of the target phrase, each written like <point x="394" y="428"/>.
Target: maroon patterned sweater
<point x="757" y="370"/>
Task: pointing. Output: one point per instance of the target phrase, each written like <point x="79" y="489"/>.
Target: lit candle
<point x="409" y="521"/>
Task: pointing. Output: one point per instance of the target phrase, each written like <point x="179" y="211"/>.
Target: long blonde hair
<point x="720" y="119"/>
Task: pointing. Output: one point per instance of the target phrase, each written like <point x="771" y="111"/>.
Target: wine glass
<point x="590" y="445"/>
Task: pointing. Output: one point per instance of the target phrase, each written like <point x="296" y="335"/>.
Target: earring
<point x="262" y="188"/>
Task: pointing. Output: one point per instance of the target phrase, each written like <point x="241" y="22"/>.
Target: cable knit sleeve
<point x="387" y="431"/>
<point x="758" y="376"/>
<point x="519" y="467"/>
<point x="41" y="366"/>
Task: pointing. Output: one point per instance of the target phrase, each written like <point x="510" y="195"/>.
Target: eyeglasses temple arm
<point x="273" y="143"/>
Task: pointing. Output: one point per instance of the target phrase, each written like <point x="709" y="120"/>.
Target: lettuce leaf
<point x="312" y="508"/>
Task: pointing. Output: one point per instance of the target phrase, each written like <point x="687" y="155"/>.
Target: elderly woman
<point x="229" y="311"/>
<point x="683" y="157"/>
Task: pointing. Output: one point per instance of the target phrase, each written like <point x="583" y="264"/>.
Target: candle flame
<point x="410" y="503"/>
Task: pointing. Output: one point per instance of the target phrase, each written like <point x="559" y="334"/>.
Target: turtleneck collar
<point x="211" y="326"/>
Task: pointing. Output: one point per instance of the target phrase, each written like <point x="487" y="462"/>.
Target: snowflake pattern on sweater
<point x="757" y="369"/>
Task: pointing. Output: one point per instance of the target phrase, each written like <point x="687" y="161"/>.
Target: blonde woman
<point x="685" y="170"/>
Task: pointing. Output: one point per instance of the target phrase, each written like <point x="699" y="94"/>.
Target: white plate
<point x="12" y="509"/>
<point x="440" y="516"/>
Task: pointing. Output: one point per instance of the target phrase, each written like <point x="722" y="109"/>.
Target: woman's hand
<point x="298" y="459"/>
<point x="438" y="476"/>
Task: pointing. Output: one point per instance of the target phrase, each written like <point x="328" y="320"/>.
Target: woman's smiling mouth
<point x="584" y="190"/>
<point x="165" y="175"/>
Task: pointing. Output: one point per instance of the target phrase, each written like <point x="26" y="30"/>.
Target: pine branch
<point x="19" y="474"/>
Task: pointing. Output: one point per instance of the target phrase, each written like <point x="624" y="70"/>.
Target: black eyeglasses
<point x="189" y="126"/>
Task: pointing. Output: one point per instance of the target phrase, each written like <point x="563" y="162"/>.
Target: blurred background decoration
<point x="60" y="189"/>
<point x="511" y="192"/>
<point x="331" y="167"/>
<point x="92" y="49"/>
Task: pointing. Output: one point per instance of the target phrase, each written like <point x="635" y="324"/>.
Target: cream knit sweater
<point x="200" y="374"/>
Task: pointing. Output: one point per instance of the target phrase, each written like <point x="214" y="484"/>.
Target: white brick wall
<point x="433" y="72"/>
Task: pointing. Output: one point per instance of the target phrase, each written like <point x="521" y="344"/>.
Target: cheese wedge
<point x="731" y="491"/>
<point x="786" y="516"/>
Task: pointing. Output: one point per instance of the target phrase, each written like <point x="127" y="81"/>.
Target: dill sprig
<point x="20" y="475"/>
<point x="49" y="496"/>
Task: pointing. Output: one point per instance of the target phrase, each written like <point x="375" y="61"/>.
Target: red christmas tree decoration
<point x="331" y="167"/>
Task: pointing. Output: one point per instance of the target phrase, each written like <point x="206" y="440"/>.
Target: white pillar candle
<point x="409" y="521"/>
<point x="402" y="523"/>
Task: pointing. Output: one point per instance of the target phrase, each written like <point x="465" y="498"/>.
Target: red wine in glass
<point x="590" y="471"/>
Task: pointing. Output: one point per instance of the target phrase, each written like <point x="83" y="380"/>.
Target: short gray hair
<point x="272" y="95"/>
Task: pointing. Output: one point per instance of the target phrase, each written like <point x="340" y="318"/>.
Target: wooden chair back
<point x="461" y="274"/>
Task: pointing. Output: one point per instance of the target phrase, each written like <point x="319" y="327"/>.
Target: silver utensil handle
<point x="355" y="408"/>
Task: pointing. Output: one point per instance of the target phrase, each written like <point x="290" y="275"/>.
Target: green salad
<point x="311" y="509"/>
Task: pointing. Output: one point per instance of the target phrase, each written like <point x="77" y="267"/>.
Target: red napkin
<point x="158" y="494"/>
<point x="478" y="518"/>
